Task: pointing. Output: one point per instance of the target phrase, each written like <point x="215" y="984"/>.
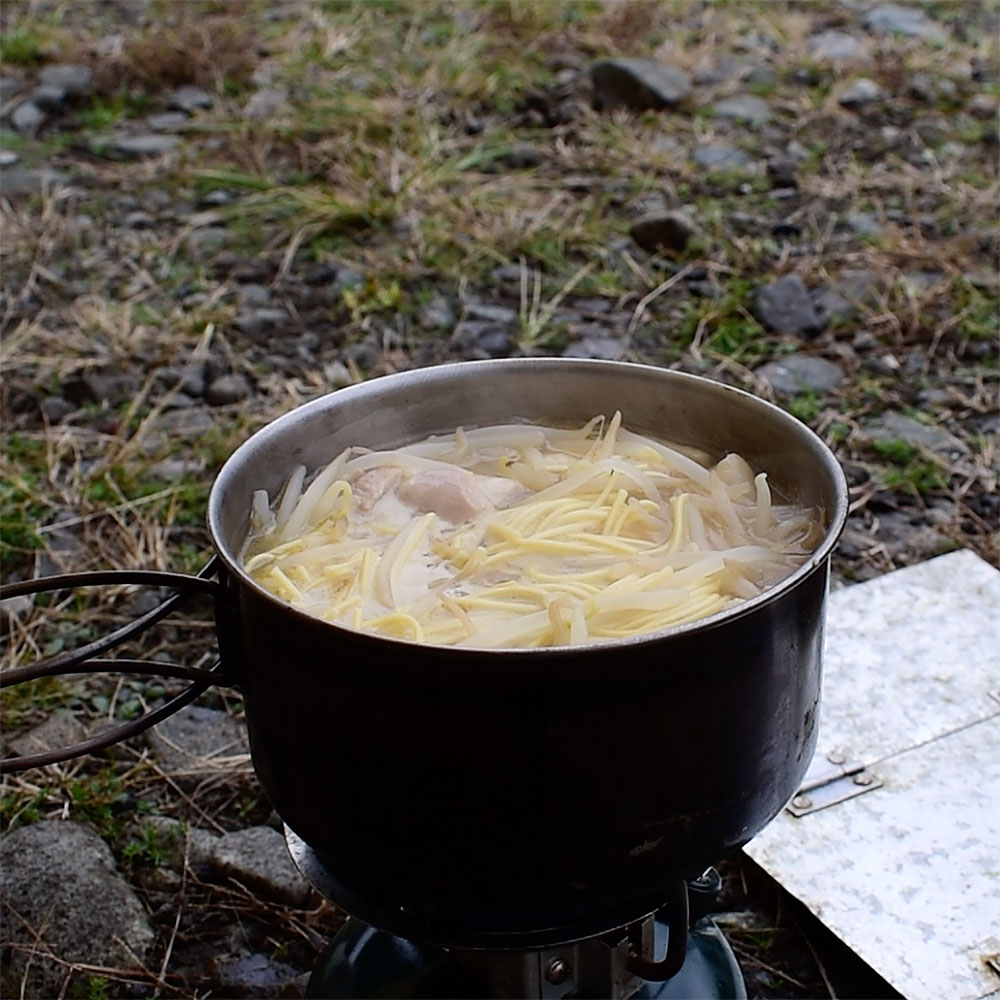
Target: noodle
<point x="522" y="536"/>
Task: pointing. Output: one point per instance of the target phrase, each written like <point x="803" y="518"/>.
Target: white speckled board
<point x="908" y="874"/>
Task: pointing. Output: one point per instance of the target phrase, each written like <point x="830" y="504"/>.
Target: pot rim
<point x="382" y="384"/>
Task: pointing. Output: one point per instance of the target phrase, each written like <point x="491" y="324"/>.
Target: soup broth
<point x="523" y="536"/>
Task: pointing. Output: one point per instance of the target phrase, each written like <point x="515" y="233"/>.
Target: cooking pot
<point x="516" y="796"/>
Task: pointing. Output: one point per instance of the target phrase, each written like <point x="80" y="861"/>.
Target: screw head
<point x="862" y="778"/>
<point x="802" y="802"/>
<point x="836" y="757"/>
<point x="557" y="972"/>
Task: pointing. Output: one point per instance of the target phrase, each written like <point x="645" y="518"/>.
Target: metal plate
<point x="907" y="875"/>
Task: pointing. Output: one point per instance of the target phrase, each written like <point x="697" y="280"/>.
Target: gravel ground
<point x="214" y="212"/>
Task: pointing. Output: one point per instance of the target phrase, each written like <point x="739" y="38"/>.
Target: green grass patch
<point x="23" y="46"/>
<point x="911" y="471"/>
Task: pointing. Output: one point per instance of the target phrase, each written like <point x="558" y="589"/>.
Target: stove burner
<point x="363" y="961"/>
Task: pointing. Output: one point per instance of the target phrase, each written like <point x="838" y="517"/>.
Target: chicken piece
<point x="451" y="494"/>
<point x="501" y="491"/>
<point x="373" y="484"/>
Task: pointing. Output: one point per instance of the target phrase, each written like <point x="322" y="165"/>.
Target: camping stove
<point x="677" y="953"/>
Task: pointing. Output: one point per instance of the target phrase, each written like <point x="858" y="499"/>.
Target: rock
<point x="227" y="389"/>
<point x="49" y="98"/>
<point x="436" y="314"/>
<point x="15" y="609"/>
<point x="603" y="348"/>
<point x="893" y="19"/>
<point x="209" y="240"/>
<point x="55" y="409"/>
<point x="139" y="220"/>
<point x="261" y="321"/>
<point x="197" y="742"/>
<point x="861" y="92"/>
<point x="180" y="423"/>
<point x="253" y="294"/>
<point x="8" y="158"/>
<point x="785" y="306"/>
<point x="482" y="339"/>
<point x="182" y="845"/>
<point x="61" y="729"/>
<point x="190" y="380"/>
<point x="798" y="373"/>
<point x="215" y="199"/>
<point x="715" y="156"/>
<point x="983" y="106"/>
<point x="663" y="231"/>
<point x="894" y="426"/>
<point x="134" y="147"/>
<point x="189" y="99"/>
<point x="61" y="883"/>
<point x="256" y="976"/>
<point x="908" y="540"/>
<point x="75" y="80"/>
<point x="101" y="387"/>
<point x="10" y="86"/>
<point x="863" y="224"/>
<point x="166" y="121"/>
<point x="337" y="374"/>
<point x="266" y="103"/>
<point x="258" y="859"/>
<point x="836" y="47"/>
<point x="520" y="157"/>
<point x="27" y="119"/>
<point x="495" y="314"/>
<point x="745" y="108"/>
<point x="831" y="306"/>
<point x="783" y="171"/>
<point x="638" y="84"/>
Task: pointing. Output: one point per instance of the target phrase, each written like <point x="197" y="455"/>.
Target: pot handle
<point x="88" y="658"/>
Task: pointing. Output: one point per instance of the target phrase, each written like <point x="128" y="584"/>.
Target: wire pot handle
<point x="88" y="658"/>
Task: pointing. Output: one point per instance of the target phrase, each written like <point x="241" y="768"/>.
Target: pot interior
<point x="398" y="409"/>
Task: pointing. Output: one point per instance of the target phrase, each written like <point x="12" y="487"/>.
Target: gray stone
<point x="227" y="389"/>
<point x="49" y="98"/>
<point x="209" y="240"/>
<point x="256" y="976"/>
<point x="337" y="374"/>
<point x="60" y="883"/>
<point x="10" y="86"/>
<point x="61" y="729"/>
<point x="716" y="156"/>
<point x="101" y="387"/>
<point x="183" y="423"/>
<point x="266" y="103"/>
<point x="861" y="92"/>
<point x="261" y="321"/>
<point x="522" y="156"/>
<point x="76" y="80"/>
<point x="15" y="609"/>
<point x="198" y="742"/>
<point x="182" y="845"/>
<point x="347" y="277"/>
<point x="495" y="314"/>
<point x="837" y="47"/>
<point x="798" y="373"/>
<point x="139" y="220"/>
<point x="215" y="199"/>
<point x="663" y="231"/>
<point x="894" y="426"/>
<point x="831" y="306"/>
<point x="638" y="84"/>
<point x="134" y="147"/>
<point x="173" y="469"/>
<point x="603" y="348"/>
<point x="189" y="99"/>
<point x="8" y="158"/>
<point x="908" y="540"/>
<point x="785" y="306"/>
<point x="27" y="118"/>
<point x="893" y="19"/>
<point x="483" y="339"/>
<point x="436" y="314"/>
<point x="258" y="859"/>
<point x="166" y="121"/>
<point x="253" y="294"/>
<point x="745" y="108"/>
<point x="864" y="224"/>
<point x="55" y="409"/>
<point x="984" y="106"/>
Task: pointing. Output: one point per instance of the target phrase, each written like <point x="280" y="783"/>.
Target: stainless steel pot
<point x="522" y="796"/>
